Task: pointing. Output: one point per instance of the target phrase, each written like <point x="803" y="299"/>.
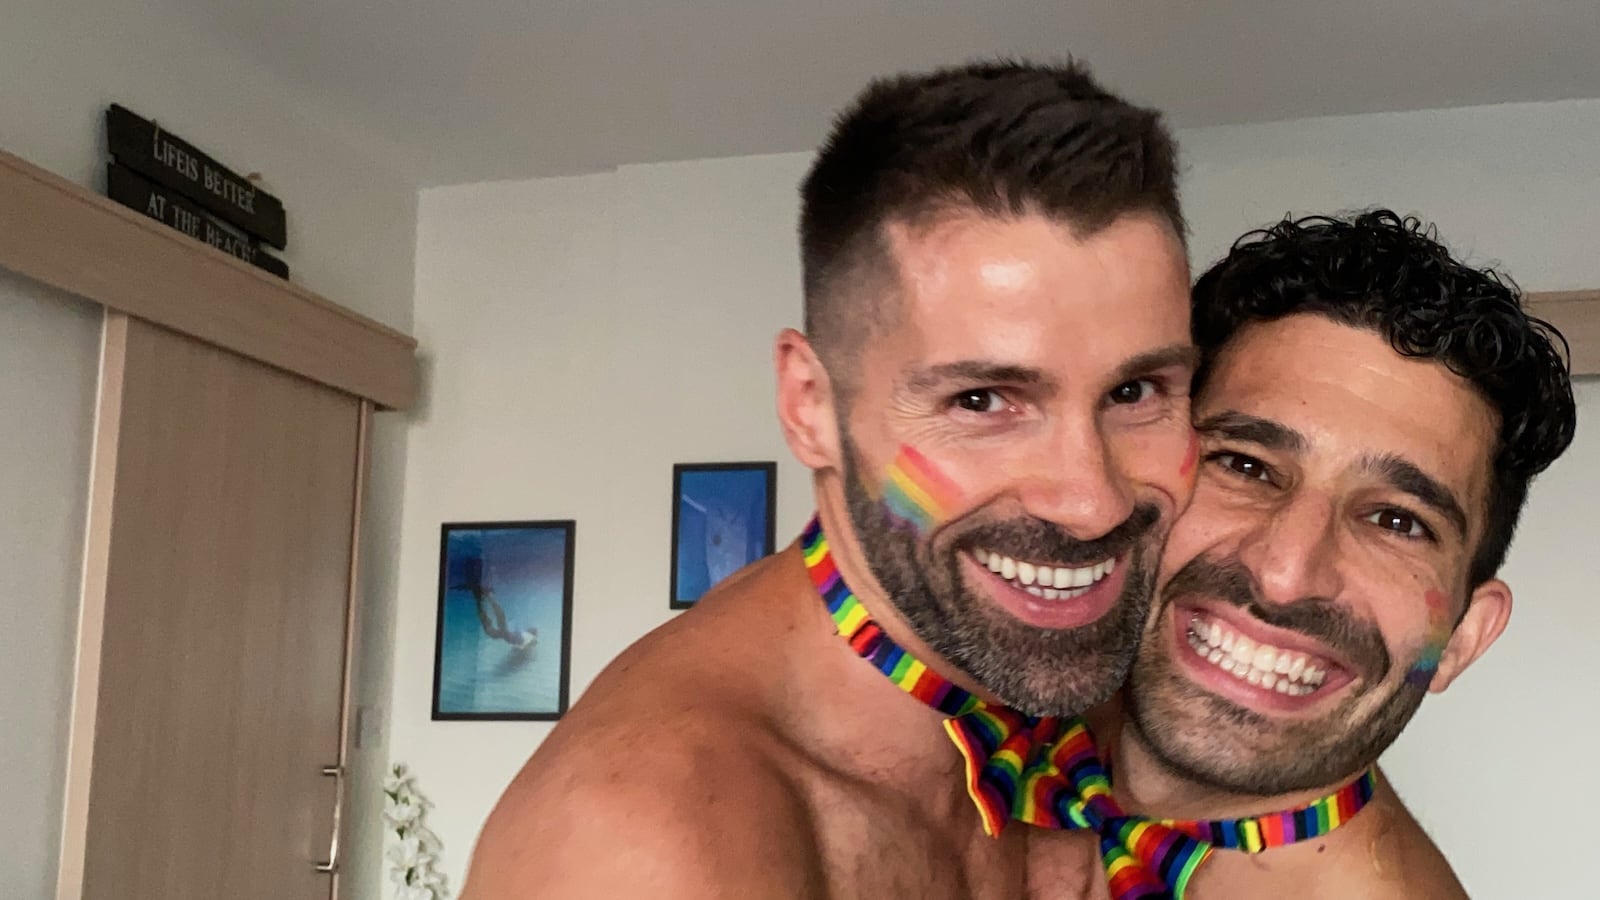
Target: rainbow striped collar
<point x="1047" y="772"/>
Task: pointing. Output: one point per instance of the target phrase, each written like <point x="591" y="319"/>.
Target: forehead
<point x="1030" y="291"/>
<point x="1353" y="397"/>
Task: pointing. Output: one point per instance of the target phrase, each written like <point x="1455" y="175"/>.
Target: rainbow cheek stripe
<point x="916" y="493"/>
<point x="1191" y="460"/>
<point x="1421" y="674"/>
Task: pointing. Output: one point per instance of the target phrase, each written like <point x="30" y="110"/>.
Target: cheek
<point x="918" y="492"/>
<point x="1434" y="641"/>
<point x="1166" y="459"/>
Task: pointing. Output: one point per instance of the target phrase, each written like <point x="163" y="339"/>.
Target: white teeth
<point x="1266" y="658"/>
<point x="1244" y="650"/>
<point x="1262" y="665"/>
<point x="1063" y="581"/>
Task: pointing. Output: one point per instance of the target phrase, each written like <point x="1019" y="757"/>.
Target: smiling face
<point x="1013" y="452"/>
<point x="1311" y="593"/>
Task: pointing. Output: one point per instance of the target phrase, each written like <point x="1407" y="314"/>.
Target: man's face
<point x="1015" y="447"/>
<point x="1310" y="590"/>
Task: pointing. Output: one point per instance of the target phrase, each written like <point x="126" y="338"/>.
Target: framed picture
<point x="503" y="645"/>
<point x="721" y="521"/>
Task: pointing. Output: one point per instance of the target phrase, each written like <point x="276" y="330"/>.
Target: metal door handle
<point x="332" y="865"/>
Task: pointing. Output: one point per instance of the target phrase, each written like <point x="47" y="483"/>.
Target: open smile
<point x="1256" y="665"/>
<point x="1048" y="594"/>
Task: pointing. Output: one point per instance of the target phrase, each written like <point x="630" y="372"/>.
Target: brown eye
<point x="980" y="401"/>
<point x="1130" y="392"/>
<point x="1248" y="466"/>
<point x="1400" y="522"/>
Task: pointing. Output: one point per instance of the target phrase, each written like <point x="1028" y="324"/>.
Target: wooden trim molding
<point x="92" y="607"/>
<point x="56" y="232"/>
<point x="1577" y="315"/>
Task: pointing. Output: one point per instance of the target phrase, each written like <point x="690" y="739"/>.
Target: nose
<point x="1293" y="551"/>
<point x="1076" y="482"/>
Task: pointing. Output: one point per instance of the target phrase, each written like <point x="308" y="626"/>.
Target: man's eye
<point x="983" y="400"/>
<point x="1401" y="522"/>
<point x="1130" y="392"/>
<point x="1248" y="466"/>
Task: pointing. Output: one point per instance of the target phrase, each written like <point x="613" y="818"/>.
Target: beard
<point x="1213" y="741"/>
<point x="1037" y="671"/>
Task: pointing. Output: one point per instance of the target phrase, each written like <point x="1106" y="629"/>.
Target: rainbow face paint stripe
<point x="1439" y="629"/>
<point x="1190" y="468"/>
<point x="916" y="493"/>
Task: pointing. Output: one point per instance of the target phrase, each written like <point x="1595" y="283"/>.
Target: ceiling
<point x="475" y="90"/>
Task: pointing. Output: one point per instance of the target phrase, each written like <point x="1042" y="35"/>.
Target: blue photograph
<point x="722" y="520"/>
<point x="505" y="620"/>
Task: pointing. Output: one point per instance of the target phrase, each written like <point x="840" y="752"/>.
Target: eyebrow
<point x="1237" y="426"/>
<point x="1184" y="355"/>
<point x="931" y="378"/>
<point x="1406" y="477"/>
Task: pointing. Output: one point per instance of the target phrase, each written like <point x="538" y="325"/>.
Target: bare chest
<point x="875" y="841"/>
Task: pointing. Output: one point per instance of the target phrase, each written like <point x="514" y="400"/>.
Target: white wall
<point x="588" y="332"/>
<point x="49" y="367"/>
<point x="352" y="221"/>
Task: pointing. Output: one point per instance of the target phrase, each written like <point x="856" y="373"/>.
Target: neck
<point x="845" y="547"/>
<point x="1145" y="785"/>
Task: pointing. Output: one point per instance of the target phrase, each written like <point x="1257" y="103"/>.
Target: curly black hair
<point x="1380" y="271"/>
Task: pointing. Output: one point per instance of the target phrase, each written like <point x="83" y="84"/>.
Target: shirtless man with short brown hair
<point x="992" y="395"/>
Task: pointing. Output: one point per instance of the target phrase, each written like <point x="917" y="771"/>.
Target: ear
<point x="1488" y="610"/>
<point x="805" y="402"/>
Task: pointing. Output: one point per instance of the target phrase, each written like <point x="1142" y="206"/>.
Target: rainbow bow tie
<point x="1047" y="772"/>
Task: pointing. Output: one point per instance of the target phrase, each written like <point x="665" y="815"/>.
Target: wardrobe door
<point x="220" y="537"/>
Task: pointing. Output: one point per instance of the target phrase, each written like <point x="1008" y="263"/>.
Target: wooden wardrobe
<point x="211" y="700"/>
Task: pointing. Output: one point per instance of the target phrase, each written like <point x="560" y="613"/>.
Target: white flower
<point x="402" y="812"/>
<point x="405" y="852"/>
<point x="415" y="852"/>
<point x="400" y="779"/>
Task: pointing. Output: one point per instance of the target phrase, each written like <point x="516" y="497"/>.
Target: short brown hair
<point x="1001" y="139"/>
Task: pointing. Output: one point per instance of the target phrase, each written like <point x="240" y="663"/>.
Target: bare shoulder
<point x="1382" y="854"/>
<point x="668" y="779"/>
<point x="1405" y="861"/>
<point x="637" y="814"/>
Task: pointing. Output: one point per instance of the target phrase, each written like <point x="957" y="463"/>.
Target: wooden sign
<point x="169" y="161"/>
<point x="134" y="192"/>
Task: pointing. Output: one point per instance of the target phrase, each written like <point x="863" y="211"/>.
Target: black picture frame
<point x="486" y="667"/>
<point x="719" y="499"/>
